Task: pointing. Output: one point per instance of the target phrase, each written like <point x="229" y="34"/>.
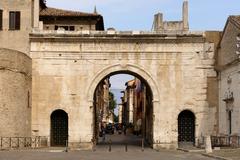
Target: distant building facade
<point x="228" y="66"/>
<point x="138" y="108"/>
<point x="130" y="85"/>
<point x="120" y="113"/>
<point x="101" y="105"/>
<point x="57" y="19"/>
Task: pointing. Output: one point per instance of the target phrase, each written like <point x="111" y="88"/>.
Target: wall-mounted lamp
<point x="228" y="96"/>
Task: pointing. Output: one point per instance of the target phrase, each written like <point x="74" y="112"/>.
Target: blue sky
<point x="118" y="81"/>
<point x="138" y="14"/>
<point x="118" y="84"/>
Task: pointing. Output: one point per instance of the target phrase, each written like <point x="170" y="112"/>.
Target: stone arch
<point x="128" y="68"/>
<point x="184" y="109"/>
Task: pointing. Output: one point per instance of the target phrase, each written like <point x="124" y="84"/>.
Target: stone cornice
<point x="66" y="36"/>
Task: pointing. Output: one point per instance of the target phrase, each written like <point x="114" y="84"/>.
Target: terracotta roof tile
<point x="64" y="13"/>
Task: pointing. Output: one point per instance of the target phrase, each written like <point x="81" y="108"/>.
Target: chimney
<point x="158" y="22"/>
<point x="95" y="10"/>
<point x="185" y="15"/>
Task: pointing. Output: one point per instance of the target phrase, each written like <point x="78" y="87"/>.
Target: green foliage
<point x="112" y="101"/>
<point x="115" y="118"/>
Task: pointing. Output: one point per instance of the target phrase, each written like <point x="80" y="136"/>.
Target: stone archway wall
<point x="68" y="67"/>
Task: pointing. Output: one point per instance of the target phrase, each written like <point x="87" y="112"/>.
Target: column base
<point x="169" y="146"/>
<point x="80" y="145"/>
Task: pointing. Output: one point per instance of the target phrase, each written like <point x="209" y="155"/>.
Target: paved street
<point x="99" y="155"/>
<point x="102" y="152"/>
<point x="120" y="140"/>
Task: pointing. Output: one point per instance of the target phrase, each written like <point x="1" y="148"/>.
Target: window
<point x="1" y="19"/>
<point x="14" y="20"/>
<point x="230" y="122"/>
<point x="66" y="28"/>
<point x="71" y="28"/>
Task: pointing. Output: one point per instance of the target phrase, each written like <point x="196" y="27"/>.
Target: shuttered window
<point x="14" y="20"/>
<point x="1" y="19"/>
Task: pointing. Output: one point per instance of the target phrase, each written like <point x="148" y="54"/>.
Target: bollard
<point x="35" y="142"/>
<point x="25" y="142"/>
<point x="126" y="147"/>
<point x="1" y="143"/>
<point x="66" y="149"/>
<point x="208" y="145"/>
<point x="93" y="147"/>
<point x="142" y="145"/>
<point x="10" y="142"/>
<point x="110" y="146"/>
<point x="18" y="142"/>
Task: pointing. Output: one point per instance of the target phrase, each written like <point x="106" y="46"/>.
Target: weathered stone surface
<point x="15" y="94"/>
<point x="171" y="68"/>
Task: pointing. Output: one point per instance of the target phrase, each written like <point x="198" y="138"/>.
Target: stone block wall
<point x="15" y="94"/>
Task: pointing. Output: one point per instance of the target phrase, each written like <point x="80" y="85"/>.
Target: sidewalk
<point x="227" y="154"/>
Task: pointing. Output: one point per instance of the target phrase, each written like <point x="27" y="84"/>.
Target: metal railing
<point x="225" y="141"/>
<point x="21" y="142"/>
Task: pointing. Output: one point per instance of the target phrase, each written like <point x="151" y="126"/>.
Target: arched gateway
<point x="151" y="87"/>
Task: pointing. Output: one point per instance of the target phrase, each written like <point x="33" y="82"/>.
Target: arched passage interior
<point x="59" y="128"/>
<point x="142" y="104"/>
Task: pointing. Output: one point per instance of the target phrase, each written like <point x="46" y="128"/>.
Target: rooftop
<point x="49" y="12"/>
<point x="64" y="13"/>
<point x="235" y="19"/>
